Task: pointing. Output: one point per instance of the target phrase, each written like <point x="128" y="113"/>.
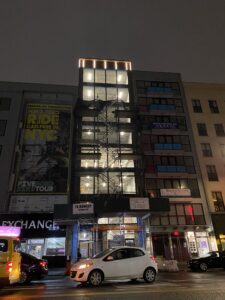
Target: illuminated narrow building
<point x="107" y="157"/>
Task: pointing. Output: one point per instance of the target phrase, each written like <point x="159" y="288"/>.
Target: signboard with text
<point x="139" y="203"/>
<point x="44" y="160"/>
<point x="85" y="208"/>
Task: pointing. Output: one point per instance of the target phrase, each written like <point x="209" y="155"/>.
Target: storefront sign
<point x="139" y="203"/>
<point x="83" y="208"/>
<point x="31" y="225"/>
<point x="175" y="192"/>
<point x="9" y="231"/>
<point x="35" y="203"/>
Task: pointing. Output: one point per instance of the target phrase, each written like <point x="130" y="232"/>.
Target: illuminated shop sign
<point x="32" y="225"/>
<point x="9" y="231"/>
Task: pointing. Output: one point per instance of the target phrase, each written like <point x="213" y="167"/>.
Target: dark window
<point x="136" y="253"/>
<point x="2" y="127"/>
<point x="196" y="105"/>
<point x="3" y="245"/>
<point x="202" y="131"/>
<point x="206" y="149"/>
<point x="222" y="149"/>
<point x="218" y="201"/>
<point x="5" y="104"/>
<point x="213" y="106"/>
<point x="219" y="129"/>
<point x="16" y="246"/>
<point x="182" y="214"/>
<point x="120" y="254"/>
<point x="88" y="63"/>
<point x="0" y="149"/>
<point x="211" y="172"/>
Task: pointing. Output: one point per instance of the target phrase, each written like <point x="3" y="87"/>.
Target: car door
<point x="137" y="262"/>
<point x="116" y="265"/>
<point x="16" y="260"/>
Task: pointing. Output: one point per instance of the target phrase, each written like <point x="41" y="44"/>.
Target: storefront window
<point x="103" y="221"/>
<point x="55" y="246"/>
<point x="130" y="220"/>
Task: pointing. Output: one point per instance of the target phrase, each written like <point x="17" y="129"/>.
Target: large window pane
<point x="122" y="77"/>
<point x="55" y="246"/>
<point x="100" y="93"/>
<point x="86" y="185"/>
<point x="100" y="76"/>
<point x="123" y="95"/>
<point x="128" y="183"/>
<point x="88" y="93"/>
<point x="88" y="75"/>
<point x="111" y="94"/>
<point x="111" y="77"/>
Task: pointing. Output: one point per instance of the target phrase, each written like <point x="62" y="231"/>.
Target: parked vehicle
<point x="117" y="263"/>
<point x="10" y="257"/>
<point x="32" y="268"/>
<point x="214" y="259"/>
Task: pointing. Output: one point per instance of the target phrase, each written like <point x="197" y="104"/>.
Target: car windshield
<point x="101" y="254"/>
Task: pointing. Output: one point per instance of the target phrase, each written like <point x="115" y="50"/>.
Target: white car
<point x="117" y="263"/>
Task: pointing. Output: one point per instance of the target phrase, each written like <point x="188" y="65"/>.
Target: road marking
<point x="105" y="293"/>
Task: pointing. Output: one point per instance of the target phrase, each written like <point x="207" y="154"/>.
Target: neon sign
<point x="9" y="231"/>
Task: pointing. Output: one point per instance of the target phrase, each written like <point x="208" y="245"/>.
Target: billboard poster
<point x="44" y="163"/>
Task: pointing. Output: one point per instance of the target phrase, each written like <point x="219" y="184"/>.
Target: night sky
<point x="41" y="40"/>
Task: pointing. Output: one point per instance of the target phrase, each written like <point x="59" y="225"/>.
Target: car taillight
<point x="43" y="264"/>
<point x="152" y="257"/>
<point x="9" y="266"/>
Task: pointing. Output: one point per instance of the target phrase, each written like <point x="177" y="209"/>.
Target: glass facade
<point x="106" y="134"/>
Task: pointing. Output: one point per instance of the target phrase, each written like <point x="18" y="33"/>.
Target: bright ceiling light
<point x="122" y="133"/>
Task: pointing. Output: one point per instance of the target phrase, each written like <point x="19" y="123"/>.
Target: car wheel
<point x="24" y="278"/>
<point x="149" y="275"/>
<point x="203" y="267"/>
<point x="95" y="278"/>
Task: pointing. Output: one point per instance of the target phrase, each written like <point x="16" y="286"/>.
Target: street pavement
<point x="183" y="285"/>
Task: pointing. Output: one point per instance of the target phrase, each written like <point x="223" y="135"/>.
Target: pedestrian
<point x="78" y="254"/>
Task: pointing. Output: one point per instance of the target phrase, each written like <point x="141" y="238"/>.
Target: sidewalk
<point x="56" y="271"/>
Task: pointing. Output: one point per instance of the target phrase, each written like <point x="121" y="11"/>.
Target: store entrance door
<point x="86" y="249"/>
<point x="180" y="249"/>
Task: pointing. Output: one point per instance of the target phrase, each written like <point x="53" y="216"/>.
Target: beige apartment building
<point x="206" y="105"/>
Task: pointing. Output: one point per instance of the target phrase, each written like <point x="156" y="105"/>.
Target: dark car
<point x="32" y="268"/>
<point x="214" y="259"/>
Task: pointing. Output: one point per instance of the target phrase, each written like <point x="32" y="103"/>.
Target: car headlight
<point x="85" y="266"/>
